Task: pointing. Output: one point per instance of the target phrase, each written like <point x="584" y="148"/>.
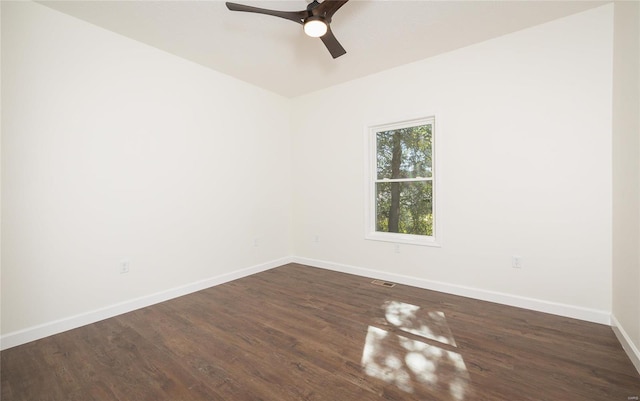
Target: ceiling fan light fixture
<point x="316" y="20"/>
<point x="315" y="27"/>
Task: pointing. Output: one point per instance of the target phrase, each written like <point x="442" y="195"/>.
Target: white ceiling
<point x="274" y="53"/>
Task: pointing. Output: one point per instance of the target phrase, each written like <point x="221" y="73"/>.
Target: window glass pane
<point x="404" y="152"/>
<point x="405" y="207"/>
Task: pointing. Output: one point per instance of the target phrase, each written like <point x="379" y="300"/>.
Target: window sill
<point x="403" y="239"/>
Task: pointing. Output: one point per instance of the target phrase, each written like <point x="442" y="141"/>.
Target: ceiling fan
<point x="316" y="20"/>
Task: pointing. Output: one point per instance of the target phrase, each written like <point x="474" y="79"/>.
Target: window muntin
<point x="401" y="189"/>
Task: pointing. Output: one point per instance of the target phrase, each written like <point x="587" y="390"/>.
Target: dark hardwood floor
<point x="300" y="333"/>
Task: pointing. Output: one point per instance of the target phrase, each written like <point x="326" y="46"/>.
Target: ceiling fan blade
<point x="329" y="7"/>
<point x="295" y="16"/>
<point x="334" y="47"/>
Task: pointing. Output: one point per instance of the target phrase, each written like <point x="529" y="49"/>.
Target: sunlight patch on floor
<point x="414" y="320"/>
<point x="409" y="363"/>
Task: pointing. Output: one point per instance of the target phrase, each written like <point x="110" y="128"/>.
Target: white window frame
<point x="371" y="178"/>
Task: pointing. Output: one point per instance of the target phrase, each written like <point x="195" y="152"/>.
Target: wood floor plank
<point x="301" y="333"/>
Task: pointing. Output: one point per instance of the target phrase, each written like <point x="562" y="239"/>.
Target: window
<point x="401" y="184"/>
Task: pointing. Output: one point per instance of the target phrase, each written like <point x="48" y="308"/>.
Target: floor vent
<point x="383" y="283"/>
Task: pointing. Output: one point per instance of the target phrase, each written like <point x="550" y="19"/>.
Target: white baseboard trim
<point x="628" y="345"/>
<point x="24" y="336"/>
<point x="572" y="311"/>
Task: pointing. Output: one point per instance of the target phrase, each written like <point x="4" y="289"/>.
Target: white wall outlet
<point x="397" y="248"/>
<point x="256" y="242"/>
<point x="124" y="266"/>
<point x="516" y="262"/>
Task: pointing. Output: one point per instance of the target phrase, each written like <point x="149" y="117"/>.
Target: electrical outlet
<point x="397" y="248"/>
<point x="124" y="266"/>
<point x="256" y="242"/>
<point x="516" y="262"/>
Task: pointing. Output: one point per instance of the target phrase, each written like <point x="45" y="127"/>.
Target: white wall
<point x="626" y="176"/>
<point x="525" y="148"/>
<point x="111" y="150"/>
